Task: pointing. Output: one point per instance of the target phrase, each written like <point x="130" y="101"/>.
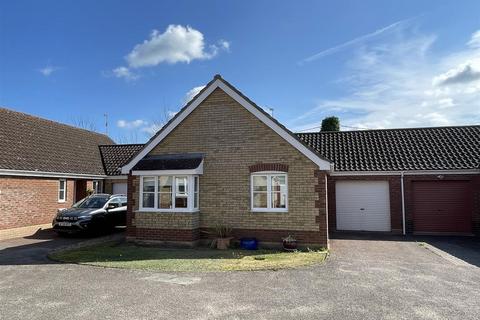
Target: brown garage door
<point x="442" y="206"/>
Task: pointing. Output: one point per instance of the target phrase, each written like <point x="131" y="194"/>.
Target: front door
<point x="80" y="189"/>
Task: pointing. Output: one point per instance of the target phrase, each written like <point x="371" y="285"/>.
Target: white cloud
<point x="131" y="124"/>
<point x="125" y="73"/>
<point x="177" y="44"/>
<point x="390" y="83"/>
<point x="192" y="93"/>
<point x="152" y="128"/>
<point x="361" y="39"/>
<point x="474" y="40"/>
<point x="148" y="127"/>
<point x="48" y="70"/>
<point x="466" y="72"/>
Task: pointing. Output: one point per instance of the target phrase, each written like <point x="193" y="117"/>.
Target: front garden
<point x="130" y="256"/>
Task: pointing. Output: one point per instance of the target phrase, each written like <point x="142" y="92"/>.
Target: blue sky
<point x="374" y="64"/>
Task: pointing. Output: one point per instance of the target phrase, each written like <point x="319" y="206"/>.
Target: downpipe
<point x="403" y="202"/>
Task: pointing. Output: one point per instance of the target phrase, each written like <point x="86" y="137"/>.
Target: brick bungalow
<point x="46" y="166"/>
<point x="222" y="160"/>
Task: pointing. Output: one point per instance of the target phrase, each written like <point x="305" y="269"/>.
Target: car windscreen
<point x="93" y="202"/>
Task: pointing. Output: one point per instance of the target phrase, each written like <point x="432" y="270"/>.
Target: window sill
<point x="268" y="211"/>
<point x="61" y="201"/>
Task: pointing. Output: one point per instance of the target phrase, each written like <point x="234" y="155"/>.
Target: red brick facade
<point x="27" y="201"/>
<point x="396" y="200"/>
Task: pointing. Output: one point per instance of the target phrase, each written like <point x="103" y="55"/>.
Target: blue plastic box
<point x="249" y="243"/>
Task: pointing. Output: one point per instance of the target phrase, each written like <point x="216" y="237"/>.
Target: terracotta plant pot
<point x="290" y="245"/>
<point x="223" y="243"/>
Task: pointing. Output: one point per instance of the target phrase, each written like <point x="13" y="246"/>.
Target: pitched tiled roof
<point x="115" y="156"/>
<point x="439" y="148"/>
<point x="34" y="144"/>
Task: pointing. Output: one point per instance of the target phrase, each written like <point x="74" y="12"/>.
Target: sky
<point x="373" y="64"/>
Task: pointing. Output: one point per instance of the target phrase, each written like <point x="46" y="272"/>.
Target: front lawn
<point x="130" y="256"/>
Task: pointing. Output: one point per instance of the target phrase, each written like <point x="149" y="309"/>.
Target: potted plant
<point x="223" y="236"/>
<point x="290" y="243"/>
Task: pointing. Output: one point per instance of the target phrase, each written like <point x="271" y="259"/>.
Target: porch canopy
<point x="181" y="163"/>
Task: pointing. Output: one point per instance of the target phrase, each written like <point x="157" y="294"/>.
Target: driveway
<point x="363" y="279"/>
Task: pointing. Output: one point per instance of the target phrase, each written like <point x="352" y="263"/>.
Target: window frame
<point x="64" y="190"/>
<point x="269" y="175"/>
<point x="98" y="188"/>
<point x="190" y="194"/>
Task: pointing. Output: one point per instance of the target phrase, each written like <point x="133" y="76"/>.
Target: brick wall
<point x="27" y="201"/>
<point x="233" y="140"/>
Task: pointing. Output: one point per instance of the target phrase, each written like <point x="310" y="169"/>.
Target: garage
<point x="442" y="207"/>
<point x="362" y="205"/>
<point x="119" y="188"/>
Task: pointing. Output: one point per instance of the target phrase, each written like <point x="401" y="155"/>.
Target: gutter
<point x="27" y="173"/>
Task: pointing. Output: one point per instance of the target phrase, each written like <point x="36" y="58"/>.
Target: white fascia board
<point x="399" y="173"/>
<point x="322" y="164"/>
<point x="26" y="173"/>
<point x="120" y="177"/>
<point x="196" y="171"/>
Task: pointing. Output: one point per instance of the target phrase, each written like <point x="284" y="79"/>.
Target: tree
<point x="330" y="124"/>
<point x="84" y="123"/>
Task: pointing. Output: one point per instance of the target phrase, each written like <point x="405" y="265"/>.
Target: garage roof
<point x="435" y="148"/>
<point x="115" y="156"/>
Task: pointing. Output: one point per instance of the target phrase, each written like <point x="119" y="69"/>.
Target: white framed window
<point x="97" y="186"/>
<point x="62" y="190"/>
<point x="169" y="193"/>
<point x="269" y="191"/>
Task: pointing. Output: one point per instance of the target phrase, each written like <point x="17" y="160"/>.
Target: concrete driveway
<point x="363" y="279"/>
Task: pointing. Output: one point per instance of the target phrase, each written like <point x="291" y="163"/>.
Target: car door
<point x="117" y="211"/>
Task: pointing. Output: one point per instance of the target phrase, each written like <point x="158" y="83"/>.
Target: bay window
<point x="169" y="193"/>
<point x="269" y="192"/>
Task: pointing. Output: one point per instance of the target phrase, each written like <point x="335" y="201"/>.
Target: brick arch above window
<point x="268" y="167"/>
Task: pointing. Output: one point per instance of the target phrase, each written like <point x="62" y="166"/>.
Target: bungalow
<point x="46" y="166"/>
<point x="222" y="160"/>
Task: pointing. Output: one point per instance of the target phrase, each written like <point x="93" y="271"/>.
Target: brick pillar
<point x="131" y="229"/>
<point x="322" y="205"/>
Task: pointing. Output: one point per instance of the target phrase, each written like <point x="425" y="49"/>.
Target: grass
<point x="130" y="256"/>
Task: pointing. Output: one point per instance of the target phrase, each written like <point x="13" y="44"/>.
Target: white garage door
<point x="363" y="205"/>
<point x="119" y="188"/>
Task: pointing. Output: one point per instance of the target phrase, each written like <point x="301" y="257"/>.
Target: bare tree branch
<point x="84" y="123"/>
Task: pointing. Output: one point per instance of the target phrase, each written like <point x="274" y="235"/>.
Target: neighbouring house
<point x="222" y="160"/>
<point x="46" y="166"/>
